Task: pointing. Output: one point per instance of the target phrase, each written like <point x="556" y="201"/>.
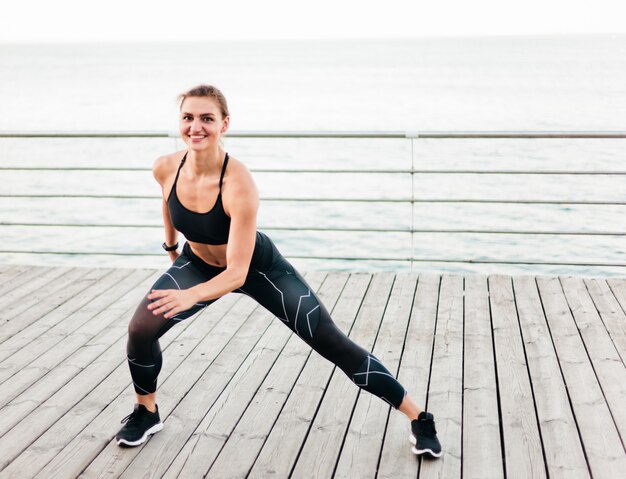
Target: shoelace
<point x="130" y="417"/>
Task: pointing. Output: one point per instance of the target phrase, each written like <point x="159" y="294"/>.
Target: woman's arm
<point x="160" y="172"/>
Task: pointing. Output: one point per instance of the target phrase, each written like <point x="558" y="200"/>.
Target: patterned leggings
<point x="277" y="286"/>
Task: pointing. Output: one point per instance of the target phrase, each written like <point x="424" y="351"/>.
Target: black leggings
<point x="277" y="286"/>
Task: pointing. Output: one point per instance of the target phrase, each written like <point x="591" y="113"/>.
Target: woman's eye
<point x="207" y="118"/>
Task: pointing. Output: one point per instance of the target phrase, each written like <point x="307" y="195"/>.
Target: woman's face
<point x="201" y="123"/>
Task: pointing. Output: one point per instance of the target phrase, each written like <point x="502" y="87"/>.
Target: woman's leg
<point x="145" y="329"/>
<point x="144" y="352"/>
<point x="283" y="291"/>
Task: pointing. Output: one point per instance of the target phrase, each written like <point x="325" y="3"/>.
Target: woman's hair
<point x="206" y="91"/>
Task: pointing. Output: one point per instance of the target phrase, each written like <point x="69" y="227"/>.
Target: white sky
<point x="193" y="20"/>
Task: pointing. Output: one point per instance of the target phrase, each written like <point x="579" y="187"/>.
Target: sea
<point x="537" y="83"/>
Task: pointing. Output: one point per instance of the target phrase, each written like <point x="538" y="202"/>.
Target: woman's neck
<point x="205" y="162"/>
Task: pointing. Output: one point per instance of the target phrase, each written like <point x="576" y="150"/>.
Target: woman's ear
<point x="225" y="125"/>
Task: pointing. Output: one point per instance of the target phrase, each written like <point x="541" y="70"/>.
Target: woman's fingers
<point x="164" y="294"/>
<point x="164" y="308"/>
<point x="167" y="301"/>
<point x="158" y="293"/>
<point x="172" y="312"/>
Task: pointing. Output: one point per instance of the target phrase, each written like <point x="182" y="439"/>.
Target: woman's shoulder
<point x="238" y="172"/>
<point x="164" y="166"/>
<point x="239" y="186"/>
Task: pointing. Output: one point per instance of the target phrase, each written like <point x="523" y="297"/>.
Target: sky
<point x="34" y="21"/>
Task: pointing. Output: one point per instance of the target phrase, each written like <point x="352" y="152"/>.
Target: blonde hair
<point x="206" y="91"/>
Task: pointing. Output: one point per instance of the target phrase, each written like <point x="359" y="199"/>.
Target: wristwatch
<point x="170" y="248"/>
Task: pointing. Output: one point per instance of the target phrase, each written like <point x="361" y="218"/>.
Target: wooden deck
<point x="526" y="377"/>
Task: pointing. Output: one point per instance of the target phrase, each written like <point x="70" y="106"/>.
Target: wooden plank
<point x="34" y="288"/>
<point x="31" y="397"/>
<point x="445" y="390"/>
<point x="122" y="297"/>
<point x="226" y="431"/>
<point x="34" y="323"/>
<point x="618" y="287"/>
<point x="331" y="421"/>
<point x="361" y="450"/>
<point x="523" y="454"/>
<point x="612" y="314"/>
<point x="22" y="314"/>
<point x="30" y="283"/>
<point x="562" y="447"/>
<point x="13" y="275"/>
<point x="604" y="451"/>
<point x="21" y="276"/>
<point x="31" y="342"/>
<point x="284" y="442"/>
<point x="205" y="338"/>
<point x="605" y="360"/>
<point x="482" y="451"/>
<point x="397" y="461"/>
<point x="61" y="418"/>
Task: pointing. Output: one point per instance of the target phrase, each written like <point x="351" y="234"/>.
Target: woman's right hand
<point x="173" y="255"/>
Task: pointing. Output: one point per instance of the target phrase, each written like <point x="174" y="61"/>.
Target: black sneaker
<point x="424" y="436"/>
<point x="139" y="425"/>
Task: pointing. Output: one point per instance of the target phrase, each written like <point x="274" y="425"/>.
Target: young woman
<point x="212" y="199"/>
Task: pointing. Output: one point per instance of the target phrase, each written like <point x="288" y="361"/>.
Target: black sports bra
<point x="207" y="228"/>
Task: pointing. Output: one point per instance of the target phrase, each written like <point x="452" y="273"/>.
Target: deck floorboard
<point x="526" y="377"/>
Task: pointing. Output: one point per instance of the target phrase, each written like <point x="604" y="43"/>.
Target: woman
<point x="212" y="199"/>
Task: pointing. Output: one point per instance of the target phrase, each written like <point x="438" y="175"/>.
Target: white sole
<point x="142" y="439"/>
<point x="419" y="452"/>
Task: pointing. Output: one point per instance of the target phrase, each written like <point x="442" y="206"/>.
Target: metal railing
<point x="411" y="136"/>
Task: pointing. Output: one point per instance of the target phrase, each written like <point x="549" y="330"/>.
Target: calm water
<point x="535" y="83"/>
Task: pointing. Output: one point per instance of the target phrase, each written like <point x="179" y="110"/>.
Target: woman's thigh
<point x="285" y="293"/>
<point x="183" y="274"/>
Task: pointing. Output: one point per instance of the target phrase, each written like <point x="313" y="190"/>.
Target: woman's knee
<point x="140" y="326"/>
<point x="334" y="345"/>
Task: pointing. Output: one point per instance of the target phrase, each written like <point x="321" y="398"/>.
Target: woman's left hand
<point x="171" y="301"/>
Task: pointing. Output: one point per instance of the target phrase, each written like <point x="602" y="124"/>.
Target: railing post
<point x="412" y="200"/>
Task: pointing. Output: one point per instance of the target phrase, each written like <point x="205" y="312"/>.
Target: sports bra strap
<point x="223" y="170"/>
<point x="179" y="167"/>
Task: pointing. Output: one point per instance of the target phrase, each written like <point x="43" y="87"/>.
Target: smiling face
<point x="201" y="123"/>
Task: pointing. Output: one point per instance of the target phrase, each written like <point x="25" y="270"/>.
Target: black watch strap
<point x="170" y="248"/>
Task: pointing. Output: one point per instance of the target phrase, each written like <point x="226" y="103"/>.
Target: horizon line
<point x="316" y="39"/>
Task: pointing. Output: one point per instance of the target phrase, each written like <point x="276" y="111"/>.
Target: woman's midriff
<point x="215" y="255"/>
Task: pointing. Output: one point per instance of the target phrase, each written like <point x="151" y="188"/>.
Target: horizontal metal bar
<point x="349" y="200"/>
<point x="317" y="228"/>
<point x="340" y="171"/>
<point x="350" y="258"/>
<point x="326" y="134"/>
<point x="516" y="134"/>
<point x="88" y="134"/>
<point x="470" y="261"/>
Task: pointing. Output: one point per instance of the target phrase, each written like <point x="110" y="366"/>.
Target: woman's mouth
<point x="197" y="138"/>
